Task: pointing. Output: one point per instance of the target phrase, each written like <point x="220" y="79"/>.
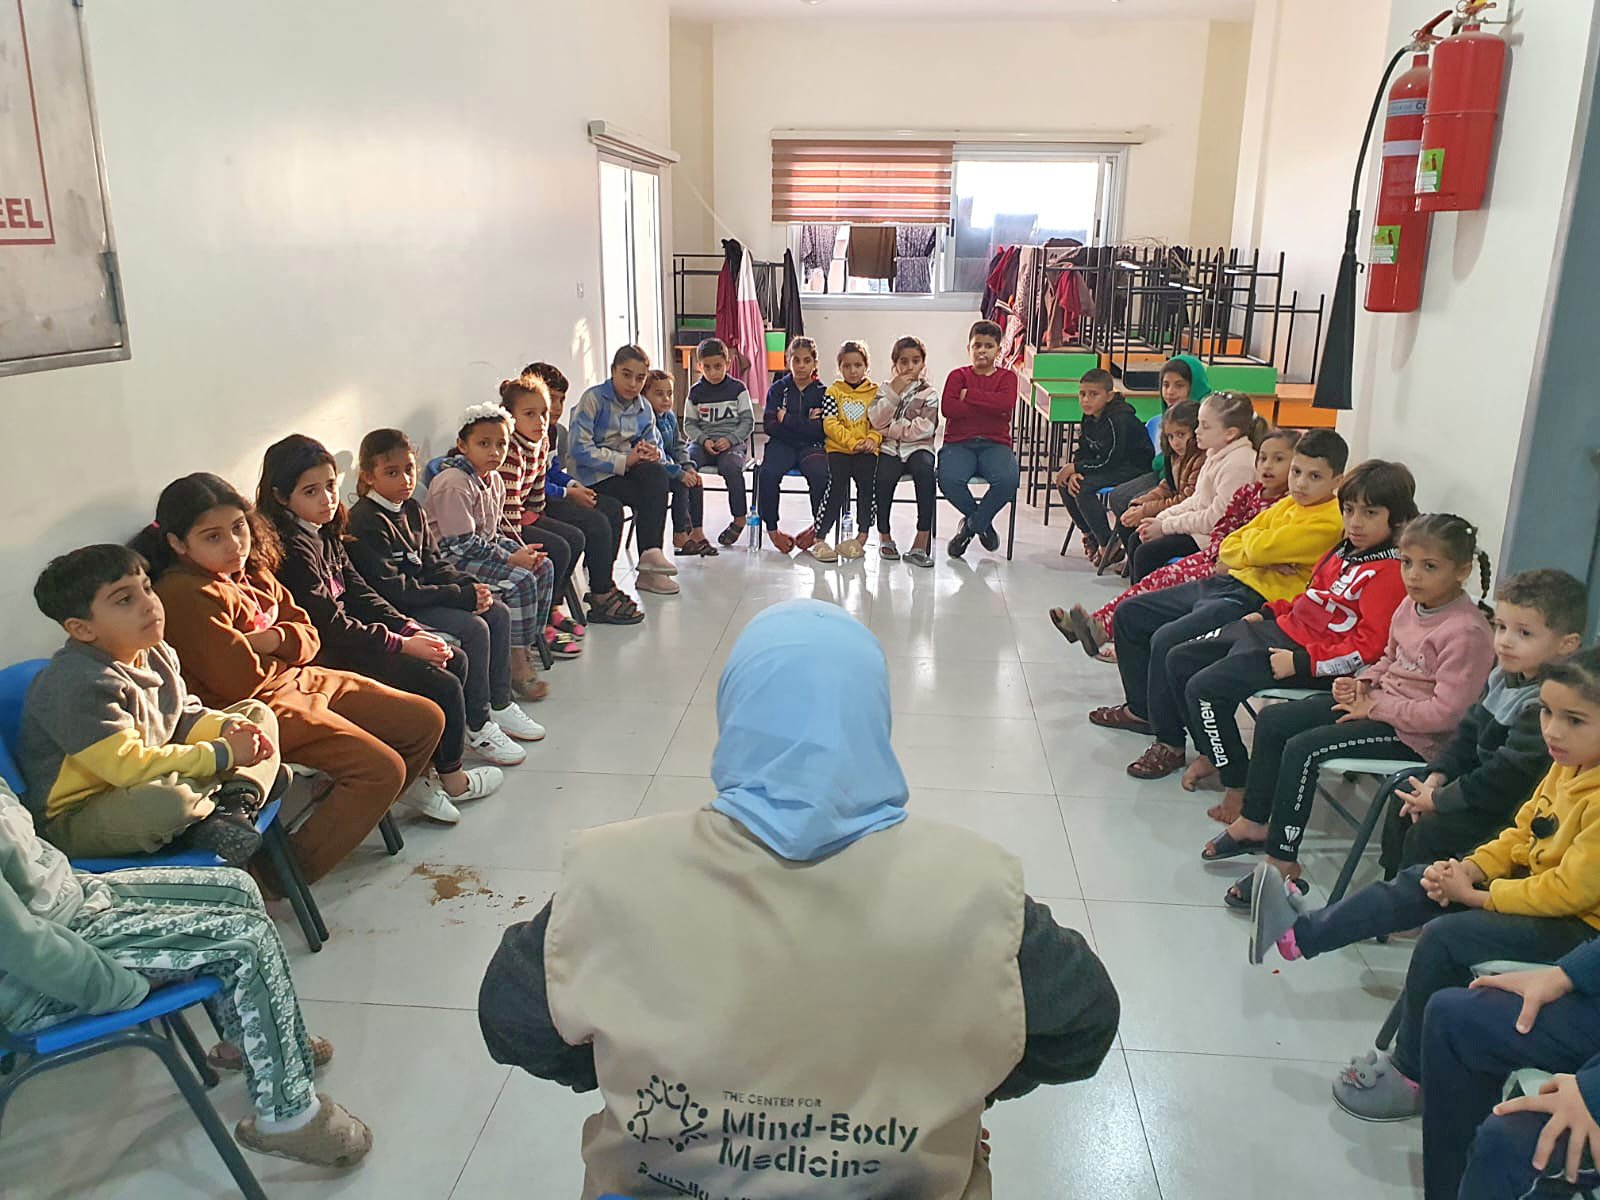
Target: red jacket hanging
<point x="1341" y="621"/>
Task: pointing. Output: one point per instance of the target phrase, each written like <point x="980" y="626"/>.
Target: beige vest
<point x="768" y="1029"/>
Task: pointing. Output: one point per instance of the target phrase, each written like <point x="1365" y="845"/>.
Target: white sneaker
<point x="656" y="563"/>
<point x="427" y="799"/>
<point x="661" y="585"/>
<point x="481" y="782"/>
<point x="511" y="719"/>
<point x="492" y="745"/>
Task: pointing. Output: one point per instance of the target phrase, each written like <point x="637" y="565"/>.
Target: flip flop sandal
<point x="1238" y="896"/>
<point x="1058" y="618"/>
<point x="1107" y="654"/>
<point x="1225" y="846"/>
<point x="888" y="551"/>
<point x="919" y="558"/>
<point x="1089" y="635"/>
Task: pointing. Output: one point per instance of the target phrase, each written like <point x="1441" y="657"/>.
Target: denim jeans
<point x="961" y="462"/>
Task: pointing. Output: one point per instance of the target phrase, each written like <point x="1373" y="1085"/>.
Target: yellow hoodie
<point x="1287" y="534"/>
<point x="1554" y="871"/>
<point x="844" y="417"/>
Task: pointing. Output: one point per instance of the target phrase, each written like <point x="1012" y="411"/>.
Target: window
<point x="630" y="257"/>
<point x="998" y="196"/>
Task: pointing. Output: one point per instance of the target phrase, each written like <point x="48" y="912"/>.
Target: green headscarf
<point x="1200" y="384"/>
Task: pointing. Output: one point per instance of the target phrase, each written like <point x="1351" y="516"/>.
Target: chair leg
<point x="575" y="603"/>
<point x="1369" y="822"/>
<point x="281" y="855"/>
<point x="392" y="840"/>
<point x="1067" y="541"/>
<point x="227" y="1149"/>
<point x="1391" y="1024"/>
<point x="546" y="658"/>
<point x="179" y="1030"/>
<point x="1011" y="533"/>
<point x="305" y="889"/>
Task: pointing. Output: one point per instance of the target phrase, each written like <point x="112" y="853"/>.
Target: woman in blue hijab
<point x="799" y="987"/>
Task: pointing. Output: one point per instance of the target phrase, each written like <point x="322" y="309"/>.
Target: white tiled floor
<point x="1218" y="1086"/>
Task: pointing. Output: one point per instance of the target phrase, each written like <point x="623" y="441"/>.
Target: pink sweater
<point x="1222" y="474"/>
<point x="1433" y="670"/>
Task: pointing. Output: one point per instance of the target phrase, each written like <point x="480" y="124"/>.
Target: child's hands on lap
<point x="1065" y="474"/>
<point x="266" y="641"/>
<point x="484" y="598"/>
<point x="1254" y="618"/>
<point x="582" y="496"/>
<point x="1132" y="515"/>
<point x="1347" y="688"/>
<point x="247" y="743"/>
<point x="1149" y="527"/>
<point x="429" y="647"/>
<point x="691" y="477"/>
<point x="1537" y="988"/>
<point x="1357" y="708"/>
<point x="528" y="557"/>
<point x="1419" y="800"/>
<point x="1451" y="881"/>
<point x="1282" y="660"/>
<point x="1569" y="1117"/>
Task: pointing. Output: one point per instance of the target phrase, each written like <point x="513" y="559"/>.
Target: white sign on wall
<point x="60" y="301"/>
<point x="24" y="187"/>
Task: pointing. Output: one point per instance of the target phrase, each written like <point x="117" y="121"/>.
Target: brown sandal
<point x="730" y="535"/>
<point x="1159" y="761"/>
<point x="615" y="607"/>
<point x="1058" y="618"/>
<point x="1119" y="716"/>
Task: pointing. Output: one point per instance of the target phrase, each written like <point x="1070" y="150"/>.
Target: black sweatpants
<point x="1436" y="835"/>
<point x="1088" y="507"/>
<point x="846" y="471"/>
<point x="1149" y="626"/>
<point x="601" y="529"/>
<point x="643" y="489"/>
<point x="919" y="465"/>
<point x="1145" y="557"/>
<point x="485" y="650"/>
<point x="1213" y="675"/>
<point x="1293" y="740"/>
<point x="688" y="507"/>
<point x="445" y="686"/>
<point x="1453" y="940"/>
<point x="563" y="554"/>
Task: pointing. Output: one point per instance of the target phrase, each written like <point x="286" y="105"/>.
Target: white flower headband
<point x="488" y="410"/>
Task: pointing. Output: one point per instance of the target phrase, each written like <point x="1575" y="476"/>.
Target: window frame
<point x="1110" y="209"/>
<point x="631" y="165"/>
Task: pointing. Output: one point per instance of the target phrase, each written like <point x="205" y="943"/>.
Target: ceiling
<point x="921" y="10"/>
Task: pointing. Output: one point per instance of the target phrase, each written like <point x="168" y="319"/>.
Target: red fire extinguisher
<point x="1463" y="107"/>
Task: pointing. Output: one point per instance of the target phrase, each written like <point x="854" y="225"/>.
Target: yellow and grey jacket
<point x="91" y="724"/>
<point x="844" y="417"/>
<point x="1288" y="535"/>
<point x="1547" y="864"/>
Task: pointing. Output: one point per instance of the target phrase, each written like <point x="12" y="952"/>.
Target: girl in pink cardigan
<point x="1229" y="432"/>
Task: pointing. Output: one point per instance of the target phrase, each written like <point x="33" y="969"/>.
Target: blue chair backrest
<point x="14" y="683"/>
<point x="1153" y="427"/>
<point x="433" y="467"/>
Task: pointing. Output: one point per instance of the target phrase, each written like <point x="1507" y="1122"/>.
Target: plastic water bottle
<point x="752" y="529"/>
<point x="847" y="527"/>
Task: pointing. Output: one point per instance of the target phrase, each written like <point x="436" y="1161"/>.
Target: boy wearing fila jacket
<point x="1337" y="626"/>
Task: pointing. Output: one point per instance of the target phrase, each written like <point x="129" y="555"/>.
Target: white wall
<point x="1446" y="388"/>
<point x="980" y="75"/>
<point x="372" y="225"/>
<point x="693" y="136"/>
<point x="1306" y="104"/>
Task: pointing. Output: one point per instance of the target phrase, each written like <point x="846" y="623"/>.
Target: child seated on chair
<point x="120" y="756"/>
<point x="978" y="403"/>
<point x="852" y="445"/>
<point x="1472" y="788"/>
<point x="1113" y="447"/>
<point x="905" y="413"/>
<point x="1093" y="630"/>
<point x="688" y="496"/>
<point x="1271" y="558"/>
<point x="793" y="423"/>
<point x="1180" y="461"/>
<point x="1336" y="627"/>
<point x="717" y="422"/>
<point x="1404" y="707"/>
<point x="79" y="945"/>
<point x="1530" y="895"/>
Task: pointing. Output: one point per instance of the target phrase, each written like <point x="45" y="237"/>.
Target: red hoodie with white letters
<point x="1341" y="621"/>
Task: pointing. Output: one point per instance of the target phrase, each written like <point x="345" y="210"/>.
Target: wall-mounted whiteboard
<point x="59" y="289"/>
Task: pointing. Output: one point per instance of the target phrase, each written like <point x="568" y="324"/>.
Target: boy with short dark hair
<point x="1271" y="558"/>
<point x="119" y="756"/>
<point x="717" y="422"/>
<point x="1473" y="788"/>
<point x="978" y="403"/>
<point x="1113" y="447"/>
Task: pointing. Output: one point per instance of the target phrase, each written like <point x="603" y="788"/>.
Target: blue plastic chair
<point x="14" y="683"/>
<point x="156" y="1025"/>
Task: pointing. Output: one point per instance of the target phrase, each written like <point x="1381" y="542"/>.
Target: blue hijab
<point x="803" y="759"/>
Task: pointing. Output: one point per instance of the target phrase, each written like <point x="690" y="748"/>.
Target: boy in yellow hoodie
<point x="1270" y="558"/>
<point x="1532" y="894"/>
<point x="852" y="445"/>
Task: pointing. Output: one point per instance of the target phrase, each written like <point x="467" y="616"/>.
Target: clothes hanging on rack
<point x="769" y="292"/>
<point x="727" y="325"/>
<point x="747" y="338"/>
<point x="817" y="243"/>
<point x="1000" y="285"/>
<point x="1029" y="259"/>
<point x="870" y="252"/>
<point x="913" y="257"/>
<point x="790" y="315"/>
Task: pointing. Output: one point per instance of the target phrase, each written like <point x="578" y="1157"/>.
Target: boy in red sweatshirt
<point x="1337" y="626"/>
<point x="978" y="404"/>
